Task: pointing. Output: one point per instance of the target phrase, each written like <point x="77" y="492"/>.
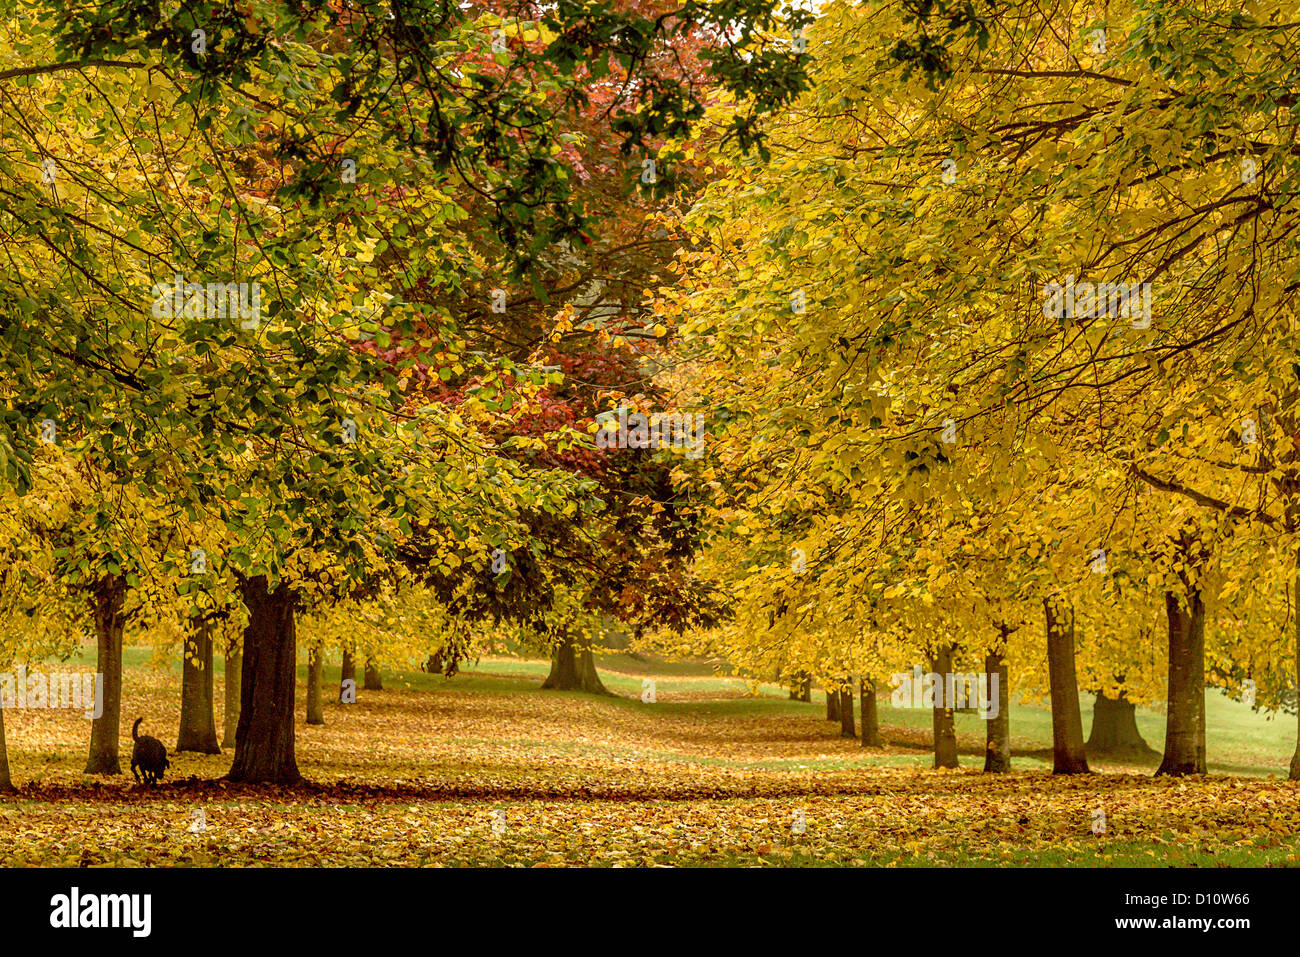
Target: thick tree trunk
<point x="1068" y="754"/>
<point x="1185" y="715"/>
<point x="434" y="665"/>
<point x="108" y="600"/>
<point x="1114" y="727"/>
<point x="234" y="672"/>
<point x="573" y="669"/>
<point x="198" y="722"/>
<point x="374" y="682"/>
<point x="264" y="745"/>
<point x="870" y="715"/>
<point x="945" y="719"/>
<point x="832" y="706"/>
<point x="997" y="751"/>
<point x="315" y="713"/>
<point x="6" y="782"/>
<point x="847" y="729"/>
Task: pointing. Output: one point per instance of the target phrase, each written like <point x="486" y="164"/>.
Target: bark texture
<point x="944" y="720"/>
<point x="315" y="713"/>
<point x="6" y="782"/>
<point x="198" y="731"/>
<point x="1185" y="716"/>
<point x="997" y="751"/>
<point x="264" y="740"/>
<point x="234" y="672"/>
<point x="108" y="601"/>
<point x="870" y="714"/>
<point x="1068" y="754"/>
<point x="348" y="672"/>
<point x="847" y="728"/>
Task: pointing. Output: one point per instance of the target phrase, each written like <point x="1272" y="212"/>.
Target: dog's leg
<point x="134" y="771"/>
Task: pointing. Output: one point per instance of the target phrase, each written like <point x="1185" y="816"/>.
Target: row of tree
<point x="945" y="429"/>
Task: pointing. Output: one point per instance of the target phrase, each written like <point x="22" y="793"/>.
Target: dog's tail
<point x="135" y="729"/>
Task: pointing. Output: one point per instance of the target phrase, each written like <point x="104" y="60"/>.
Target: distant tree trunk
<point x="1068" y="754"/>
<point x="573" y="668"/>
<point x="847" y="729"/>
<point x="832" y="705"/>
<point x="870" y="714"/>
<point x="944" y="719"/>
<point x="997" y="752"/>
<point x="315" y="713"/>
<point x="6" y="782"/>
<point x="264" y="742"/>
<point x="108" y="599"/>
<point x="348" y="672"/>
<point x="198" y="721"/>
<point x="374" y="682"/>
<point x="1185" y="716"/>
<point x="434" y="665"/>
<point x="801" y="689"/>
<point x="1114" y="727"/>
<point x="234" y="671"/>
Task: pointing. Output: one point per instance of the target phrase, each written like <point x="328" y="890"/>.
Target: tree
<point x="198" y="731"/>
<point x="315" y="713"/>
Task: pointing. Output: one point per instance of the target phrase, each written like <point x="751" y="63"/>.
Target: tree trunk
<point x="434" y="665"/>
<point x="374" y="682"/>
<point x="847" y="728"/>
<point x="108" y="599"/>
<point x="198" y="722"/>
<point x="348" y="672"/>
<point x="870" y="714"/>
<point x="1068" y="754"/>
<point x="264" y="746"/>
<point x="801" y="690"/>
<point x="997" y="752"/>
<point x="944" y="719"/>
<point x="6" y="782"/>
<point x="315" y="713"/>
<point x="1185" y="715"/>
<point x="1114" y="727"/>
<point x="234" y="670"/>
<point x="573" y="669"/>
<point x="832" y="706"/>
<point x="1295" y="614"/>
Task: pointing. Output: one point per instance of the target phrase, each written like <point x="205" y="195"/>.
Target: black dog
<point x="148" y="755"/>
